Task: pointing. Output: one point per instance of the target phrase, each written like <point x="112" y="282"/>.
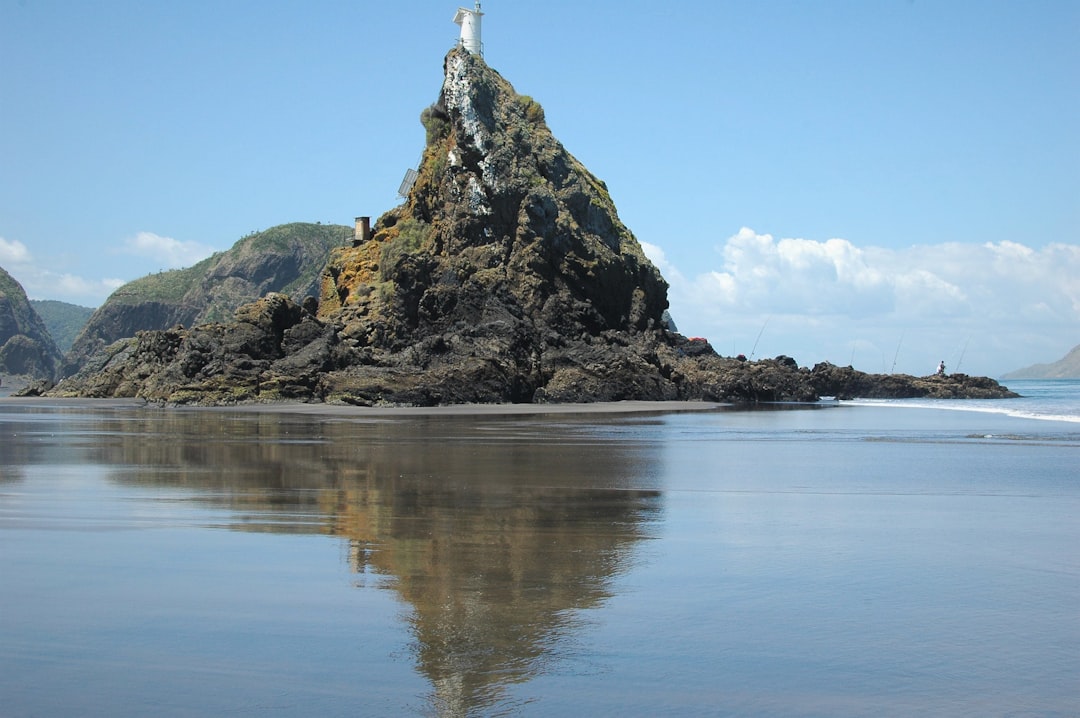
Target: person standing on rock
<point x="941" y="368"/>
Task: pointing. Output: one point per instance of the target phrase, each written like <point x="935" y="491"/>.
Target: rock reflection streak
<point x="497" y="545"/>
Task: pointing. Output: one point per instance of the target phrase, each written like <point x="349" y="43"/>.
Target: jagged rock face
<point x="117" y="319"/>
<point x="506" y="268"/>
<point x="274" y="349"/>
<point x="501" y="224"/>
<point x="847" y="383"/>
<point x="505" y="277"/>
<point x="288" y="258"/>
<point x="26" y="348"/>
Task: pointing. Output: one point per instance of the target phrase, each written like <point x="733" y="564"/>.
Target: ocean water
<point x="1051" y="400"/>
<point x="848" y="559"/>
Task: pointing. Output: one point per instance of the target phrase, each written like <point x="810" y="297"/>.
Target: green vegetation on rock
<point x="26" y="347"/>
<point x="288" y="258"/>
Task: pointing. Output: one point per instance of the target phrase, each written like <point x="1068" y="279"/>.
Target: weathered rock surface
<point x="276" y="350"/>
<point x="26" y="348"/>
<point x="847" y="383"/>
<point x="506" y="276"/>
<point x="288" y="259"/>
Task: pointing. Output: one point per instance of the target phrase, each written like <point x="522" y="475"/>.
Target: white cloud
<point x="13" y="252"/>
<point x="45" y="284"/>
<point x="831" y="300"/>
<point x="73" y="286"/>
<point x="657" y="257"/>
<point x="169" y="252"/>
<point x="40" y="283"/>
<point x="52" y="282"/>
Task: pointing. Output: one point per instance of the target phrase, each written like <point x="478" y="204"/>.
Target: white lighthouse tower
<point x="470" y="29"/>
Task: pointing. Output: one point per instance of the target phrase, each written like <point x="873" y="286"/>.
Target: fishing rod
<point x="962" y="353"/>
<point x="762" y="331"/>
<point x="897" y="354"/>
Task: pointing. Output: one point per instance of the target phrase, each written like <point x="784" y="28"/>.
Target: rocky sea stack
<point x="506" y="276"/>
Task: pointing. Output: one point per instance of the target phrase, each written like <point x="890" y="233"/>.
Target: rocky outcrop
<point x="847" y="383"/>
<point x="288" y="259"/>
<point x="26" y="349"/>
<point x="276" y="350"/>
<point x="506" y="276"/>
<point x="270" y="344"/>
<point x="508" y="251"/>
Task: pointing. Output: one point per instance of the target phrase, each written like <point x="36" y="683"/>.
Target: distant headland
<point x="1068" y="367"/>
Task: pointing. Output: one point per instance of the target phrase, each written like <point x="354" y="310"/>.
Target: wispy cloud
<point x="45" y="284"/>
<point x="13" y="252"/>
<point x="833" y="300"/>
<point x="169" y="252"/>
<point x="42" y="281"/>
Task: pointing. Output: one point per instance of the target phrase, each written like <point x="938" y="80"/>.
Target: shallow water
<point x="1046" y="399"/>
<point x="838" y="561"/>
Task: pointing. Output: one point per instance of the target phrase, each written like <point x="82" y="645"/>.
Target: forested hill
<point x="64" y="321"/>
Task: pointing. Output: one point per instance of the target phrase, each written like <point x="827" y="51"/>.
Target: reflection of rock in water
<point x="494" y="578"/>
<point x="495" y="530"/>
<point x="28" y="438"/>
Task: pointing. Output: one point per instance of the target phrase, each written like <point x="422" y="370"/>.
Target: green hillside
<point x="288" y="259"/>
<point x="64" y="321"/>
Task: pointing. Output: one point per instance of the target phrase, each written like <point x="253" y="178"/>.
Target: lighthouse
<point x="470" y="29"/>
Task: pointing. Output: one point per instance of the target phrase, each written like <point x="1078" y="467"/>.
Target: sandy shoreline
<point x="345" y="410"/>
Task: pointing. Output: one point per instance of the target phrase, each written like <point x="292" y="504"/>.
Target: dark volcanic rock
<point x="272" y="346"/>
<point x="847" y="383"/>
<point x="506" y="276"/>
<point x="508" y="261"/>
<point x="26" y="348"/>
<point x="287" y="259"/>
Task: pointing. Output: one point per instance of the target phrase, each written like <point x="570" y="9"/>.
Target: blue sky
<point x="886" y="183"/>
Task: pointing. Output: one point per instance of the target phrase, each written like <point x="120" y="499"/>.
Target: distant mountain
<point x="287" y="259"/>
<point x="64" y="321"/>
<point x="1068" y="367"/>
<point x="26" y="347"/>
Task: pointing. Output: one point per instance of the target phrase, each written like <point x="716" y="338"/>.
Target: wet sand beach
<point x="314" y="409"/>
<point x="624" y="559"/>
